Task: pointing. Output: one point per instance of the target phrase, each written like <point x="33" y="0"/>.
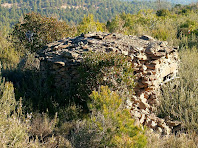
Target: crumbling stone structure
<point x="154" y="63"/>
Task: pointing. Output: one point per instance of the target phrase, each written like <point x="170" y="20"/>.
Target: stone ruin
<point x="154" y="64"/>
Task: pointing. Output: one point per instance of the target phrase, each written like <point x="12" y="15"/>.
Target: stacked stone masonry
<point x="154" y="64"/>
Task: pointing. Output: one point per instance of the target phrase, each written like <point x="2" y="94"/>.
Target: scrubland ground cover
<point x="31" y="111"/>
<point x="179" y="102"/>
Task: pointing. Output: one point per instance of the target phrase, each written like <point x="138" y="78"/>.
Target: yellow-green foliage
<point x="180" y="98"/>
<point x="109" y="125"/>
<point x="166" y="25"/>
<point x="89" y="25"/>
<point x="189" y="26"/>
<point x="13" y="131"/>
<point x="113" y="121"/>
<point x="117" y="25"/>
<point x="9" y="57"/>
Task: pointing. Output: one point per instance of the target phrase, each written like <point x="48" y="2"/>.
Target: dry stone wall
<point x="154" y="64"/>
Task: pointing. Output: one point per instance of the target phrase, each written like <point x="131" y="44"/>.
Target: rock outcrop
<point x="154" y="64"/>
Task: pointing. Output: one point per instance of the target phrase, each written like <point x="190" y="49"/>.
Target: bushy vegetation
<point x="172" y="141"/>
<point x="34" y="114"/>
<point x="35" y="31"/>
<point x="180" y="97"/>
<point x="9" y="57"/>
<point x="111" y="70"/>
<point x="88" y="24"/>
<point x="71" y="11"/>
<point x="163" y="25"/>
<point x="110" y="124"/>
<point x="13" y="124"/>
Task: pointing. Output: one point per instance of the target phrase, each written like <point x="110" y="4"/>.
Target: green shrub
<point x="179" y="99"/>
<point x="110" y="124"/>
<point x="116" y="25"/>
<point x="14" y="131"/>
<point x="184" y="11"/>
<point x="89" y="25"/>
<point x="162" y="12"/>
<point x="19" y="130"/>
<point x="113" y="70"/>
<point x="161" y="34"/>
<point x="188" y="27"/>
<point x="9" y="57"/>
<point x="35" y="31"/>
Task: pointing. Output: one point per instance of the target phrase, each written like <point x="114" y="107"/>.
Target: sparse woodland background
<point x="32" y="114"/>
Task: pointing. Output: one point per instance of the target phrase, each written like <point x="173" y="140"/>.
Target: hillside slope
<point x="71" y="11"/>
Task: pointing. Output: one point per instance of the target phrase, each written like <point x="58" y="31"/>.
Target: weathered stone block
<point x="153" y="61"/>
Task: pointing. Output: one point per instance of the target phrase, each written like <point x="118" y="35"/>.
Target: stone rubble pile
<point x="154" y="64"/>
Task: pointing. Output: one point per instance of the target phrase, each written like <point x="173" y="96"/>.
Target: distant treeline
<point x="71" y="11"/>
